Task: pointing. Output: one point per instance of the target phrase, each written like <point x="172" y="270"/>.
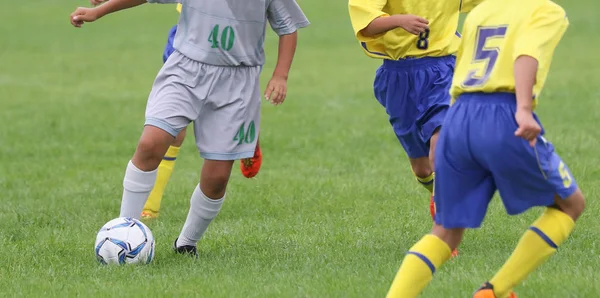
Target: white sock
<point x="137" y="186"/>
<point x="202" y="211"/>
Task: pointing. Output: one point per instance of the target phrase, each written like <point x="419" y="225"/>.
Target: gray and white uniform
<point x="212" y="78"/>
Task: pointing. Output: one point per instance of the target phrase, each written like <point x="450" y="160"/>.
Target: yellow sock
<point x="418" y="267"/>
<point x="427" y="182"/>
<point x="165" y="169"/>
<point x="538" y="243"/>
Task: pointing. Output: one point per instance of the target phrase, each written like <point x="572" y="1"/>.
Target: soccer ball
<point x="124" y="240"/>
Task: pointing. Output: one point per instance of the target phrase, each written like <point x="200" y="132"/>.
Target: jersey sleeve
<point x="542" y="33"/>
<point x="178" y="8"/>
<point x="362" y="13"/>
<point x="468" y="5"/>
<point x="286" y="17"/>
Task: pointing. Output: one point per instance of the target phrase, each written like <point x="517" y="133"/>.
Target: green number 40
<point x="245" y="136"/>
<point x="227" y="38"/>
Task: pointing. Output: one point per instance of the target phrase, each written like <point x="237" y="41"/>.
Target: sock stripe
<point x="424" y="259"/>
<point x="544" y="237"/>
<point x="425" y="182"/>
<point x="169" y="158"/>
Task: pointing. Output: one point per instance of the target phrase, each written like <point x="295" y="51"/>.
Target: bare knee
<point x="573" y="206"/>
<point x="214" y="178"/>
<point x="452" y="237"/>
<point x="421" y="167"/>
<point x="151" y="148"/>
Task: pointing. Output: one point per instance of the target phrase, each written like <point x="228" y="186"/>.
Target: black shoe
<point x="185" y="250"/>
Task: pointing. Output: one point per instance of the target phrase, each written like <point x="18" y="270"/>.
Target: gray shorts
<point x="223" y="102"/>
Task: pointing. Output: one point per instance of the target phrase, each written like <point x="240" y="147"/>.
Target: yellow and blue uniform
<point x="477" y="151"/>
<point x="413" y="82"/>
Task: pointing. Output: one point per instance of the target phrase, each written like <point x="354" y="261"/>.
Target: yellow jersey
<point x="496" y="33"/>
<point x="441" y="39"/>
<point x="178" y="7"/>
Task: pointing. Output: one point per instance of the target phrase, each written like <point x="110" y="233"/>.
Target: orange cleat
<point x="487" y="291"/>
<point x="251" y="166"/>
<point x="146" y="214"/>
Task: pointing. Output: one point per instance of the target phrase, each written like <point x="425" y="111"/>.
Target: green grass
<point x="332" y="211"/>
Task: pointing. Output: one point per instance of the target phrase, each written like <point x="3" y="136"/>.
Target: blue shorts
<point x="415" y="94"/>
<point x="478" y="153"/>
<point x="169" y="47"/>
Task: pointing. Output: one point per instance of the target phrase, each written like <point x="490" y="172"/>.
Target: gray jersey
<point x="232" y="32"/>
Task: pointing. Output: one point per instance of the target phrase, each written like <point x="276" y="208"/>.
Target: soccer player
<point x="249" y="166"/>
<point x="416" y="41"/>
<point x="212" y="80"/>
<point x="492" y="140"/>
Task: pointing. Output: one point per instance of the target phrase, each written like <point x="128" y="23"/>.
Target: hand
<point x="412" y="24"/>
<point x="82" y="14"/>
<point x="276" y="90"/>
<point x="97" y="2"/>
<point x="528" y="129"/>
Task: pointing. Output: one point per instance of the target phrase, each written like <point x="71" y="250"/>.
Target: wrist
<point x="398" y="20"/>
<point x="280" y="74"/>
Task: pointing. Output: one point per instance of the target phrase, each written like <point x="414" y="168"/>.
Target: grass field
<point x="332" y="211"/>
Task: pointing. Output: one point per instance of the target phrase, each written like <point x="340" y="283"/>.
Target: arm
<point x="525" y="73"/>
<point x="285" y="55"/>
<point x="380" y="25"/>
<point x="116" y="5"/>
<point x="83" y="14"/>
<point x="369" y="21"/>
<point x="410" y="23"/>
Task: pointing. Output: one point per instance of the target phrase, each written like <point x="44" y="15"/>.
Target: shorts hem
<point x="226" y="156"/>
<point x="162" y="124"/>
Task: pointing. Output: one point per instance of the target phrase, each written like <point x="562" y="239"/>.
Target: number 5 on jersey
<point x="485" y="54"/>
<point x="222" y="39"/>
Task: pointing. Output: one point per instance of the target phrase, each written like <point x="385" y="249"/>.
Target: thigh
<point x="172" y="105"/>
<point x="229" y="122"/>
<point x="463" y="188"/>
<point x="435" y="96"/>
<point x="533" y="177"/>
<point x="395" y="92"/>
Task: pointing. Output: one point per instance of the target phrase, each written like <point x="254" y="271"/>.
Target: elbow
<point x="367" y="32"/>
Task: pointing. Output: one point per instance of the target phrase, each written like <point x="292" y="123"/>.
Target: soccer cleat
<point x="487" y="291"/>
<point x="432" y="208"/>
<point x="432" y="211"/>
<point x="251" y="166"/>
<point x="185" y="250"/>
<point x="147" y="214"/>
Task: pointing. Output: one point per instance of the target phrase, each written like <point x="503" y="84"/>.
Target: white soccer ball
<point x="124" y="240"/>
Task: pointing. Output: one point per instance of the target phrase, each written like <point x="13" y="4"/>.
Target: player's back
<point x="497" y="32"/>
<point x="440" y="40"/>
<point x="232" y="32"/>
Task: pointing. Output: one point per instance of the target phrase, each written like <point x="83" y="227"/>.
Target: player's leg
<point x="462" y="196"/>
<point x="251" y="166"/>
<point x="168" y="111"/>
<point x="435" y="98"/>
<point x="165" y="169"/>
<point x="529" y="177"/>
<point x="394" y="91"/>
<point x="226" y="130"/>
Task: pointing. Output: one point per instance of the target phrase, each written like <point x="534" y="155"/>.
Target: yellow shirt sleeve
<point x="362" y="13"/>
<point x="179" y="8"/>
<point x="542" y="34"/>
<point x="468" y="5"/>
